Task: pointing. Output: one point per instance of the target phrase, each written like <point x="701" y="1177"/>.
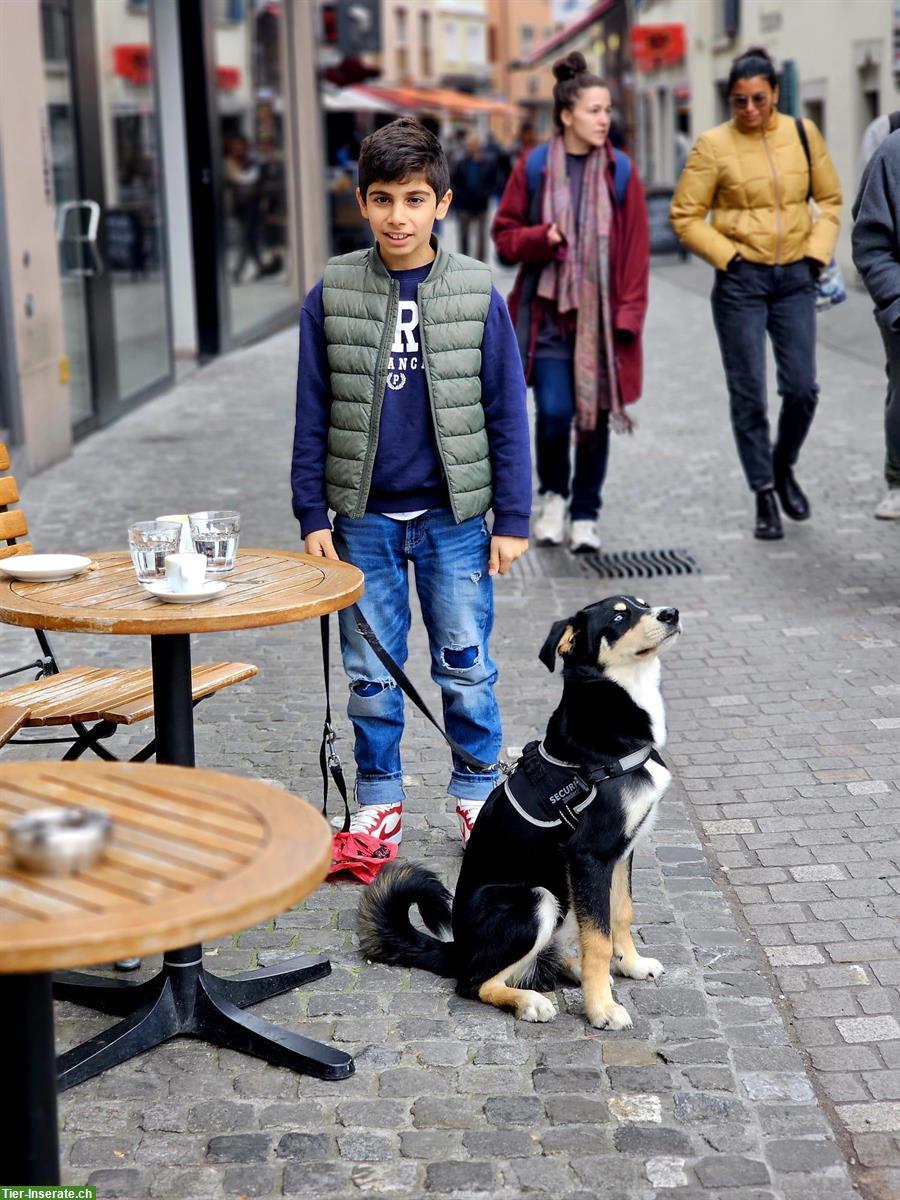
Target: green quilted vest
<point x="360" y="300"/>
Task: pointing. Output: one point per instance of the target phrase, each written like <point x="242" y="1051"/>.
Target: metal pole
<point x="170" y="655"/>
<point x="30" y="1151"/>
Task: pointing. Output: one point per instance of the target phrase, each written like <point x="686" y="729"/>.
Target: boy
<point x="411" y="424"/>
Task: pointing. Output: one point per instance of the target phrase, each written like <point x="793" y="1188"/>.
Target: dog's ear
<point x="560" y="640"/>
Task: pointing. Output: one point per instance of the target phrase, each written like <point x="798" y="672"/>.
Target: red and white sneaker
<point x="467" y="811"/>
<point x="381" y="821"/>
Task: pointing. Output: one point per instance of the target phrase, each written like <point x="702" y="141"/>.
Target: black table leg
<point x="30" y="1145"/>
<point x="184" y="999"/>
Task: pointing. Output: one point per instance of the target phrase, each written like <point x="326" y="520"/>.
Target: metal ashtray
<point x="59" y="841"/>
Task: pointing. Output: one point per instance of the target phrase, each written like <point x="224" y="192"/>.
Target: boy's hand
<point x="504" y="552"/>
<point x="320" y="545"/>
<point x="555" y="235"/>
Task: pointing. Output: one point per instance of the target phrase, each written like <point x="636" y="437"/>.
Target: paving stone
<point x="251" y="1182"/>
<point x="868" y="1029"/>
<point x="880" y="1117"/>
<point x="460" y="1177"/>
<point x="730" y="1171"/>
<point x="124" y="1184"/>
<point x="308" y="1146"/>
<point x="666" y="1172"/>
<point x="802" y="1154"/>
<point x="647" y="1141"/>
<point x="239" y="1147"/>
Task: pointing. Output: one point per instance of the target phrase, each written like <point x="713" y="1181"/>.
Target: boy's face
<point x="402" y="215"/>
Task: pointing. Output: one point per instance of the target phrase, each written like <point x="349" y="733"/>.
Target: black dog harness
<point x="552" y="794"/>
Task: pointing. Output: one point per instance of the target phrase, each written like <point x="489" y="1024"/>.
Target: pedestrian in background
<point x="573" y="214"/>
<point x="473" y="182"/>
<point x="753" y="173"/>
<point x="876" y="253"/>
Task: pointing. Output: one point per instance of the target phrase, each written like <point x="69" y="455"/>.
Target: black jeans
<point x="748" y="301"/>
<point x="554" y="398"/>
<point x="892" y="410"/>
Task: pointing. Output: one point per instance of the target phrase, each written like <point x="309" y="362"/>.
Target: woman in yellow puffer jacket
<point x="753" y="174"/>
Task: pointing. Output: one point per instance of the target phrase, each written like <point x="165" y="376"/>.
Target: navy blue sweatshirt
<point x="407" y="474"/>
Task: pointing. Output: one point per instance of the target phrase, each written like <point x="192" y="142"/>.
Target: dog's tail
<point x="386" y="933"/>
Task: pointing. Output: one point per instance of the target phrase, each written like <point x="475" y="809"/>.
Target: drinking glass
<point x="149" y="543"/>
<point x="216" y="534"/>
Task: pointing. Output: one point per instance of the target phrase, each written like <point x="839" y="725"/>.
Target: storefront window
<point x="250" y="102"/>
<point x="133" y="215"/>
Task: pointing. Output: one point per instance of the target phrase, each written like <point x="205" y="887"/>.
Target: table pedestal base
<point x="185" y="1000"/>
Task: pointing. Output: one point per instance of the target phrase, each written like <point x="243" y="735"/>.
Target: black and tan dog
<point x="545" y="885"/>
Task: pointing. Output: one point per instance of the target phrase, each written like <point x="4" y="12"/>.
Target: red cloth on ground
<point x="360" y="854"/>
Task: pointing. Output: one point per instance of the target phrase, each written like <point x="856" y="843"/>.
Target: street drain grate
<point x="641" y="564"/>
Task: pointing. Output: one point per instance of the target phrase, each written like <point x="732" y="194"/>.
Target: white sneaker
<point x="467" y="811"/>
<point x="889" y="508"/>
<point x="381" y="821"/>
<point x="550" y="526"/>
<point x="584" y="537"/>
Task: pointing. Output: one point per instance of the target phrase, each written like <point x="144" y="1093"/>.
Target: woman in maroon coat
<point x="576" y="220"/>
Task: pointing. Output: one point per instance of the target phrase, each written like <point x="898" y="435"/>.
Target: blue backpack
<point x="537" y="161"/>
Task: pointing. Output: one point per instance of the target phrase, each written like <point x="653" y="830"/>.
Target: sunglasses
<point x="760" y="100"/>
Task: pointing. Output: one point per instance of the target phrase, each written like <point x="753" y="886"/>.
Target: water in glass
<point x="149" y="543"/>
<point x="216" y="534"/>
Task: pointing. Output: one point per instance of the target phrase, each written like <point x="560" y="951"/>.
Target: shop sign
<point x="656" y="46"/>
<point x="133" y="62"/>
<point x="228" y="79"/>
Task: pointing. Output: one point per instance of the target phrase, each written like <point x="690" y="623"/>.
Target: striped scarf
<point x="579" y="283"/>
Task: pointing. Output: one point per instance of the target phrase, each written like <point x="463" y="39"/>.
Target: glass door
<point x="104" y="146"/>
<point x="250" y="99"/>
<point x="77" y="256"/>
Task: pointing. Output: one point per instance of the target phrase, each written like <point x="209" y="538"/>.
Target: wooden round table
<point x="194" y="854"/>
<point x="267" y="587"/>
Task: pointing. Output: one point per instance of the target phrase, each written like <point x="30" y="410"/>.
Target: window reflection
<point x="133" y="218"/>
<point x="249" y="44"/>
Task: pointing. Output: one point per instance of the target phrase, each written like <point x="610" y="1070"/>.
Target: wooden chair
<point x="93" y="701"/>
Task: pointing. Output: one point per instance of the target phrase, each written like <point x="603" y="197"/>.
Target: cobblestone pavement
<point x="766" y="1062"/>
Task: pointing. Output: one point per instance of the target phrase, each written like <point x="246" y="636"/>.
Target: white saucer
<point x="42" y="568"/>
<point x="209" y="591"/>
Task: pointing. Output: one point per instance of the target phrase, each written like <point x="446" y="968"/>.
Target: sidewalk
<point x="765" y="1065"/>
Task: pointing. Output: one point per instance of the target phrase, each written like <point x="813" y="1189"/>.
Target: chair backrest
<point x="12" y="523"/>
<point x="12" y="527"/>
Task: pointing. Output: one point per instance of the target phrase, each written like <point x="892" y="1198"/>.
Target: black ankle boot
<point x="793" y="501"/>
<point x="768" y="518"/>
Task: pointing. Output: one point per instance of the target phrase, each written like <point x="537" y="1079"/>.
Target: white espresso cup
<point x="185" y="572"/>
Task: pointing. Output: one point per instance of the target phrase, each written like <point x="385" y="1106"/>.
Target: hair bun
<point x="757" y="52"/>
<point x="572" y="65"/>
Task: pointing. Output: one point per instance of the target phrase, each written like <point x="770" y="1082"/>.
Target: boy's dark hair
<point x="401" y="149"/>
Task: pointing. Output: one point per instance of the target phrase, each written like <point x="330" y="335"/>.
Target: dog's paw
<point x="536" y="1008"/>
<point x="638" y="967"/>
<point x="614" y="1016"/>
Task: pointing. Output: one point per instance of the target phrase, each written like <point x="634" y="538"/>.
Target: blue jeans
<point x="456" y="595"/>
<point x="749" y="300"/>
<point x="554" y="396"/>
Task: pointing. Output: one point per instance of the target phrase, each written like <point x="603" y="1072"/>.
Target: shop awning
<point x="354" y="99"/>
<point x="561" y="40"/>
<point x="416" y="99"/>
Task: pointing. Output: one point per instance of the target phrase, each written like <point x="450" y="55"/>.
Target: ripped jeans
<point x="457" y="600"/>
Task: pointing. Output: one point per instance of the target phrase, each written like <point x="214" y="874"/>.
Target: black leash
<point x="328" y="757"/>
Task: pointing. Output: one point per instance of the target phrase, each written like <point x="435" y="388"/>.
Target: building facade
<point x="514" y="30"/>
<point x="158" y="202"/>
